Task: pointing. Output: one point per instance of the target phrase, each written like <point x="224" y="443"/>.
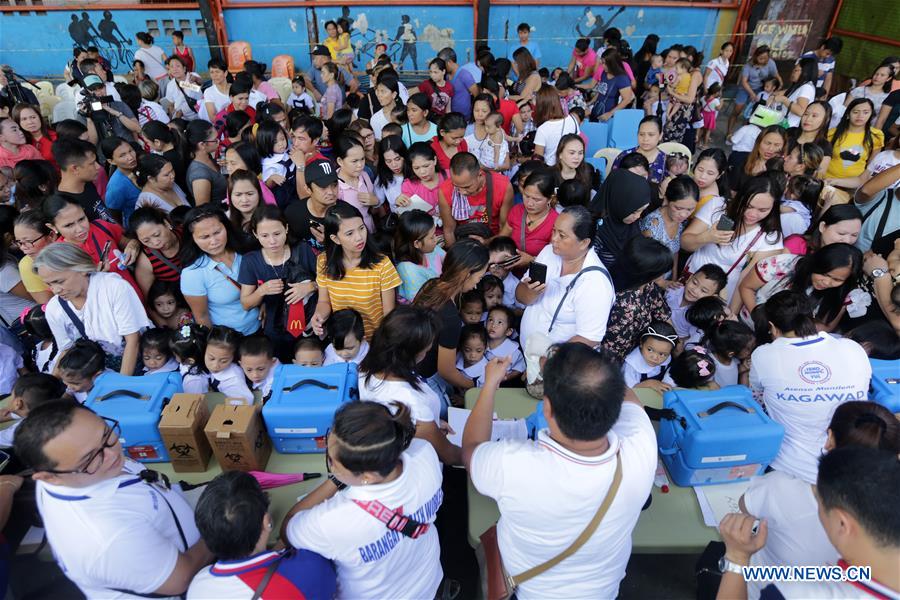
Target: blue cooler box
<point x="136" y="403"/>
<point x="719" y="436"/>
<point x="303" y="403"/>
<point x="886" y="383"/>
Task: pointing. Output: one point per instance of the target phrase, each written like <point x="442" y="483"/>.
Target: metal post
<point x="214" y="25"/>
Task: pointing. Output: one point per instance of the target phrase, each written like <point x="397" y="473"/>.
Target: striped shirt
<point x="360" y="289"/>
<point x="162" y="271"/>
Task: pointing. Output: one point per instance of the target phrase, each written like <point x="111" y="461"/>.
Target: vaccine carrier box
<point x="885" y="389"/>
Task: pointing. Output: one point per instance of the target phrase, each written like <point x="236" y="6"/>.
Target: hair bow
<point x="704" y="368"/>
<point x="185" y="331"/>
<point x="700" y="349"/>
<point x="24" y="314"/>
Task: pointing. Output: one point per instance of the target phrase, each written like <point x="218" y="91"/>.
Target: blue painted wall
<point x="40" y="44"/>
<point x="273" y="31"/>
<point x="556" y="28"/>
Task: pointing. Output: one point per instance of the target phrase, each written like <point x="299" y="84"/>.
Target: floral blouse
<point x="657" y="227"/>
<point x="632" y="312"/>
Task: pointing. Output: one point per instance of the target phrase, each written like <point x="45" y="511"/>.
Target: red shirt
<point x="99" y="234"/>
<point x="442" y="158"/>
<point x="220" y="116"/>
<point x="535" y="239"/>
<point x="44" y="146"/>
<point x="508" y="109"/>
<point x="479" y="200"/>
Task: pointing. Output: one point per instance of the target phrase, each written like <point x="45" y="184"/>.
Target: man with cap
<point x="306" y="216"/>
<point x="91" y="66"/>
<point x="117" y="530"/>
<point x="319" y="56"/>
<point x="109" y="118"/>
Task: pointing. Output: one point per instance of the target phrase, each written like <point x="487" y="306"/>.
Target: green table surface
<point x="673" y="524"/>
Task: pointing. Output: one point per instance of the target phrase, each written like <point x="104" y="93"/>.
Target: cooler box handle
<point x="668" y="451"/>
<point x="727" y="404"/>
<point x="128" y="393"/>
<point x="314" y="382"/>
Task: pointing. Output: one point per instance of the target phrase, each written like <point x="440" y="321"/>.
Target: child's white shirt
<point x="332" y="357"/>
<point x="484" y="152"/>
<point x="674" y="298"/>
<point x="304" y="100"/>
<point x="474" y="372"/>
<point x="10" y="363"/>
<point x="42" y="358"/>
<point x="743" y="139"/>
<point x="274" y="165"/>
<point x="510" y="282"/>
<point x="232" y="382"/>
<point x="265" y="386"/>
<point x="511" y="349"/>
<point x="171" y="365"/>
<point x="7" y="435"/>
<point x="635" y="369"/>
<point x="193" y="382"/>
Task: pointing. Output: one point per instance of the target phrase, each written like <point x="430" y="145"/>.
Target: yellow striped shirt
<point x="360" y="289"/>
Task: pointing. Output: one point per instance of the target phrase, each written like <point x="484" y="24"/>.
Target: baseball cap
<point x="320" y="50"/>
<point x="321" y="172"/>
<point x="92" y="81"/>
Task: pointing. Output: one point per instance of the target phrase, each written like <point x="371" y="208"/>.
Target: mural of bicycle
<point x="113" y="45"/>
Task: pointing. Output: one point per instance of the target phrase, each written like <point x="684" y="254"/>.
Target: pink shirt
<point x="598" y="72"/>
<point x="417" y="188"/>
<point x="537" y="238"/>
<point x="26" y="152"/>
<point x="351" y="196"/>
<point x="582" y="63"/>
<point x="266" y="88"/>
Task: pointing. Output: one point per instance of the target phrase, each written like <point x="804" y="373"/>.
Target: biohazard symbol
<point x="259" y="440"/>
<point x="234" y="457"/>
<point x="182" y="450"/>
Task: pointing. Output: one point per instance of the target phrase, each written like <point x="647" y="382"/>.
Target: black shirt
<point x="93" y="205"/>
<point x="448" y="337"/>
<point x="180" y="166"/>
<point x="299" y="219"/>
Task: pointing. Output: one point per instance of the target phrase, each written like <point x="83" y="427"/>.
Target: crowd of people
<point x="445" y="236"/>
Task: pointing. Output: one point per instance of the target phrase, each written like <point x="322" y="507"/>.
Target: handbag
<point x="686" y="272"/>
<point x="501" y="585"/>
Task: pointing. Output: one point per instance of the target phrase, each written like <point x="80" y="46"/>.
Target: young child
<point x="491" y="288"/>
<point x="572" y="192"/>
<point x="702" y="315"/>
<point x="220" y="358"/>
<point x="30" y="391"/>
<point x="682" y="84"/>
<point x="168" y="308"/>
<point x="499" y="343"/>
<point x="188" y="346"/>
<point x="503" y="255"/>
<point x="380" y="48"/>
<point x="346" y="332"/>
<point x="472" y="307"/>
<point x="272" y="144"/>
<point x="493" y="151"/>
<point x="258" y="362"/>
<point x="677" y="164"/>
<point x="646" y="365"/>
<point x="308" y="352"/>
<point x="156" y="352"/>
<point x="709" y="280"/>
<point x="299" y="98"/>
<point x="80" y="366"/>
<point x="345" y="48"/>
<point x="692" y="370"/>
<point x="470" y="359"/>
<point x="709" y="110"/>
<point x="730" y="344"/>
<point x="391" y="129"/>
<point x="44" y="354"/>
<point x="654" y="73"/>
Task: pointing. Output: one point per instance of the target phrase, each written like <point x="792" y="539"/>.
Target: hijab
<point x="621" y="194"/>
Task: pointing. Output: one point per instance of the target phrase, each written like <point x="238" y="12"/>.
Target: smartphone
<point x="4" y="460"/>
<point x="725" y="223"/>
<point x="315" y="224"/>
<point x="507" y="262"/>
<point x="538" y="272"/>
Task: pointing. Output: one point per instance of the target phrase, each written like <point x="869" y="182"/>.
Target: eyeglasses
<point x="92" y="463"/>
<point x="29" y="243"/>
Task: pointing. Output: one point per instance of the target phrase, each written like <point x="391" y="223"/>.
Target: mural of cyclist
<point x="109" y="29"/>
<point x="82" y="30"/>
<point x="406" y="35"/>
<point x="594" y="26"/>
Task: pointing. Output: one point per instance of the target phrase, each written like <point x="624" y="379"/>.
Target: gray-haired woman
<point x="86" y="303"/>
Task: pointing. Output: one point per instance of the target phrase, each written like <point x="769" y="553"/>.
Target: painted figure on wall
<point x="106" y="36"/>
<point x="592" y="26"/>
<point x="406" y="35"/>
<point x="109" y="29"/>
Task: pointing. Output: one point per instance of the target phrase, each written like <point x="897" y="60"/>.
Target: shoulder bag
<point x="572" y="285"/>
<point x="501" y="585"/>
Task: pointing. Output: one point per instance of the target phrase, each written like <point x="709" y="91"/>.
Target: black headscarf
<point x="621" y="194"/>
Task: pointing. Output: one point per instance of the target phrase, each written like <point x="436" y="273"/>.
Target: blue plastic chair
<point x="599" y="164"/>
<point x="624" y="128"/>
<point x="597" y="135"/>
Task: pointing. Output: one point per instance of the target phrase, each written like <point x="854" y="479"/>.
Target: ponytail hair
<point x="371" y="437"/>
<point x="865" y="424"/>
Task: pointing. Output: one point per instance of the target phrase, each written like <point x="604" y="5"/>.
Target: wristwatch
<point x="726" y="566"/>
<point x="340" y="485"/>
<point x="878" y="273"/>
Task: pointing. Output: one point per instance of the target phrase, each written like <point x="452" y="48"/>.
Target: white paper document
<point x="503" y="429"/>
<point x="718" y="500"/>
<point x="415" y="201"/>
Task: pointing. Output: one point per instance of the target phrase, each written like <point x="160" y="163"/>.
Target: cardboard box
<point x="181" y="428"/>
<point x="238" y="437"/>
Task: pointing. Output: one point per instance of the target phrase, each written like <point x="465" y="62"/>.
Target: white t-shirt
<point x="547" y="495"/>
<point x="797" y="221"/>
<point x="218" y="99"/>
<point x="232" y="382"/>
<point x="154" y="63"/>
<point x="802" y="382"/>
<point x="585" y="310"/>
<point x="151" y="111"/>
<point x="175" y="96"/>
<point x="111" y="311"/>
<point x="8" y="435"/>
<point x="372" y="561"/>
<point x="796" y="536"/>
<point x="510" y="348"/>
<point x="726" y="255"/>
<point x="636" y="369"/>
<point x="11" y="306"/>
<point x="549" y="134"/>
<point x="424" y="404"/>
<point x="808" y="91"/>
<point x="743" y="139"/>
<point x="378" y="121"/>
<point x="674" y="297"/>
<point x="885" y="160"/>
<point x="726" y="374"/>
<point x="718" y="68"/>
<point x="117" y="533"/>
